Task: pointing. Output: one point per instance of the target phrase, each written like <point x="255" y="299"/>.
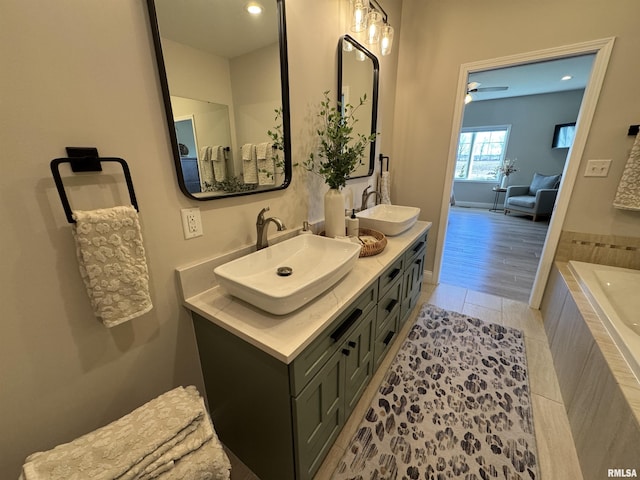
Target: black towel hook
<point x="86" y="160"/>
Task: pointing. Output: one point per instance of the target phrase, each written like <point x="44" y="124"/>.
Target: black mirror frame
<point x="284" y="82"/>
<point x="374" y="99"/>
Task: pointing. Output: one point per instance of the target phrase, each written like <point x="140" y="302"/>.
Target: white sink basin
<point x="389" y="219"/>
<point x="316" y="264"/>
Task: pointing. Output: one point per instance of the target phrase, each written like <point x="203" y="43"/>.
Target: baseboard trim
<point x="428" y="277"/>
<point x="475" y="204"/>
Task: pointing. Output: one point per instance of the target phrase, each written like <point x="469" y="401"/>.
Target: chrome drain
<point x="284" y="271"/>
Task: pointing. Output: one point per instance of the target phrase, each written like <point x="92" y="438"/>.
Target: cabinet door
<point x="412" y="285"/>
<point x="319" y="415"/>
<point x="357" y="354"/>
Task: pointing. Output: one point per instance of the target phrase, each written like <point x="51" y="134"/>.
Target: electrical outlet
<point x="597" y="168"/>
<point x="191" y="222"/>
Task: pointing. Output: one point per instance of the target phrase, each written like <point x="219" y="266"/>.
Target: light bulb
<point x="386" y="41"/>
<point x="254" y="8"/>
<point x="359" y="20"/>
<point x="374" y="19"/>
<point x="468" y="99"/>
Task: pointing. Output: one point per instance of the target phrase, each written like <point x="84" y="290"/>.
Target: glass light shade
<point x="347" y="46"/>
<point x="359" y="19"/>
<point x="386" y="42"/>
<point x="360" y="56"/>
<point x="374" y="22"/>
<point x="468" y="99"/>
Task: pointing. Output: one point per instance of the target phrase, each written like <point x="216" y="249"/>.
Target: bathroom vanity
<point x="280" y="388"/>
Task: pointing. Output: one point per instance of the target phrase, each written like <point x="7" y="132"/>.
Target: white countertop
<point x="285" y="336"/>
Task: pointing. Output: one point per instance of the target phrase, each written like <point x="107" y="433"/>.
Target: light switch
<point x="597" y="168"/>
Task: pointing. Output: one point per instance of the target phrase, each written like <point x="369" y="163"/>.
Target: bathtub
<point x="614" y="293"/>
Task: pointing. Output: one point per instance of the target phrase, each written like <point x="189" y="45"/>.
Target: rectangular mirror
<point x="358" y="71"/>
<point x="224" y="78"/>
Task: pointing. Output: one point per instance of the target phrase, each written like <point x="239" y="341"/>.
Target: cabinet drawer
<point x="389" y="303"/>
<point x="389" y="276"/>
<point x="385" y="337"/>
<point x="311" y="360"/>
<point x="414" y="250"/>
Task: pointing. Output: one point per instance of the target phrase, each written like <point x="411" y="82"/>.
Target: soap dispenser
<point x="353" y="225"/>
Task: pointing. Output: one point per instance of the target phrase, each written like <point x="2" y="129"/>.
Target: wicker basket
<point x="375" y="247"/>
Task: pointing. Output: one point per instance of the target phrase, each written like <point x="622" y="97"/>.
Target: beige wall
<point x="83" y="73"/>
<point x="438" y="36"/>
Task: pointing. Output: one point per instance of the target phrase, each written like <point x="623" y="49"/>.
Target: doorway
<point x="602" y="51"/>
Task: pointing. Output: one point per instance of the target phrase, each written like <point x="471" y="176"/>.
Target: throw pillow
<point x="543" y="181"/>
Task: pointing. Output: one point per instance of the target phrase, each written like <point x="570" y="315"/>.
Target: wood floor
<point x="491" y="252"/>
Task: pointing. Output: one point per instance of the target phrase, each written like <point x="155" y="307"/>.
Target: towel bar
<point x="86" y="160"/>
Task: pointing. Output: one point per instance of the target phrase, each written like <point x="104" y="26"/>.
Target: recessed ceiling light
<point x="254" y="8"/>
<point x="566" y="77"/>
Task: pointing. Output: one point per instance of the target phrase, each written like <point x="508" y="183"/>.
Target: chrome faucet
<point x="366" y="195"/>
<point x="262" y="226"/>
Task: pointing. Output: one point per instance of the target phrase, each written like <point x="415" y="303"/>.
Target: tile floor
<point x="556" y="452"/>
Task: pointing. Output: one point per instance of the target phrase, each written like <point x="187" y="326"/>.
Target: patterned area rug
<point x="455" y="403"/>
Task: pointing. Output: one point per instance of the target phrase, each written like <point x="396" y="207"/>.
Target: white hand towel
<point x="219" y="165"/>
<point x="112" y="263"/>
<point x="385" y="191"/>
<point x="206" y="169"/>
<point x="249" y="165"/>
<point x="266" y="164"/>
<point x="628" y="193"/>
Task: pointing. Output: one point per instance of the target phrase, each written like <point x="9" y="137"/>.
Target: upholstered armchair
<point x="536" y="199"/>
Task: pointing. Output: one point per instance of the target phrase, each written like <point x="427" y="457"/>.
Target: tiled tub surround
<point x="273" y="381"/>
<point x="614" y="250"/>
<point x="599" y="390"/>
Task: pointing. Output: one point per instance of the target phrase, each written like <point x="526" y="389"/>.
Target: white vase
<point x="505" y="181"/>
<point x="334" y="219"/>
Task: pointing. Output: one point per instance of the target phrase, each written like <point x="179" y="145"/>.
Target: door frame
<point x="602" y="49"/>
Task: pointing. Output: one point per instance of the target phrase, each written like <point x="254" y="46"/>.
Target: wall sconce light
<point x="369" y="17"/>
<point x="359" y="18"/>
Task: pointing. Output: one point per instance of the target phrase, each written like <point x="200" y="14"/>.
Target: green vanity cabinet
<point x="282" y="419"/>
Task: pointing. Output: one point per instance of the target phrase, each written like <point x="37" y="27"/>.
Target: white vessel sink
<point x="389" y="219"/>
<point x="285" y="276"/>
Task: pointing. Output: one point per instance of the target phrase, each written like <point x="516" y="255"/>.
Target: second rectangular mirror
<point x="358" y="71"/>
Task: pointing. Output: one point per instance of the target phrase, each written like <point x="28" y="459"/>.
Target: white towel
<point x="219" y="165"/>
<point x="385" y="195"/>
<point x="205" y="168"/>
<point x="112" y="263"/>
<point x="249" y="165"/>
<point x="266" y="164"/>
<point x="146" y="443"/>
<point x="628" y="193"/>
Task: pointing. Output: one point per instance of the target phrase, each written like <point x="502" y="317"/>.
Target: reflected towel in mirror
<point x="265" y="163"/>
<point x="219" y="165"/>
<point x="205" y="168"/>
<point x="249" y="166"/>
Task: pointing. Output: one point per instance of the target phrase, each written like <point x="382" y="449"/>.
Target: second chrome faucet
<point x="262" y="227"/>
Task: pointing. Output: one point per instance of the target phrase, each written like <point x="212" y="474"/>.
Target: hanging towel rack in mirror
<point x="86" y="159"/>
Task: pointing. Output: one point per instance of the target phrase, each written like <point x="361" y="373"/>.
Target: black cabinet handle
<point x="418" y="261"/>
<point x="346" y="352"/>
<point x="352" y="344"/>
<point x="344" y="326"/>
<point x="418" y="247"/>
<point x="391" y="304"/>
<point x="388" y="338"/>
<point x="394" y="274"/>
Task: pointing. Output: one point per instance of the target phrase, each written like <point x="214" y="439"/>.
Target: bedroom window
<point x="480" y="151"/>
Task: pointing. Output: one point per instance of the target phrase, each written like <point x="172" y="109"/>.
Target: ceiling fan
<point x="474" y="87"/>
